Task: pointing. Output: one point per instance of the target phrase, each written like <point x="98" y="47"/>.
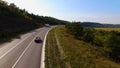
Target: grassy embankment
<point x="53" y="56"/>
<point x="78" y="53"/>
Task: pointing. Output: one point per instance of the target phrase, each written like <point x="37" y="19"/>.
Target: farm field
<point x="109" y="29"/>
<point x="78" y="54"/>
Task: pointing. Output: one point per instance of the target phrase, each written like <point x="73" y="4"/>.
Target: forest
<point x="15" y="21"/>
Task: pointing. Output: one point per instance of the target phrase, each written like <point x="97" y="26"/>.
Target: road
<point x="23" y="52"/>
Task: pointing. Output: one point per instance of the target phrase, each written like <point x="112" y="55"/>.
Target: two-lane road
<point x="24" y="54"/>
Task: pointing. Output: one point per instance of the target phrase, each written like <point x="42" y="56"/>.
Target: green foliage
<point x="108" y="41"/>
<point x="113" y="45"/>
<point x="79" y="32"/>
<point x="14" y="21"/>
<point x="81" y="54"/>
<point x="75" y="29"/>
<point x="88" y="35"/>
<point x="100" y="37"/>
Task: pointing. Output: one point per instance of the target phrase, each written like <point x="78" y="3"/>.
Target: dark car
<point x="38" y="40"/>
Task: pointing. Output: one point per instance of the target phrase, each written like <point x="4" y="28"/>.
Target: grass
<point x="109" y="29"/>
<point x="78" y="53"/>
<point x="53" y="59"/>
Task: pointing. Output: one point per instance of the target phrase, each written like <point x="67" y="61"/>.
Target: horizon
<point x="101" y="11"/>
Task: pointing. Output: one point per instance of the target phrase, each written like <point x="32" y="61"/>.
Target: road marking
<point x="24" y="51"/>
<point x="42" y="65"/>
<point x="13" y="47"/>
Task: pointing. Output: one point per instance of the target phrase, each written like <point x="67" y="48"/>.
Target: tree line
<point x="109" y="42"/>
<point x="15" y="21"/>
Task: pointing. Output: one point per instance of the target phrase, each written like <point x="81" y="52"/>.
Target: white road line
<point x="24" y="51"/>
<point x="13" y="48"/>
<point x="42" y="65"/>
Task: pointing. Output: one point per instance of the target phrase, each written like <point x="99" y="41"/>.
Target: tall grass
<point x="53" y="57"/>
<point x="81" y="54"/>
<point x="78" y="53"/>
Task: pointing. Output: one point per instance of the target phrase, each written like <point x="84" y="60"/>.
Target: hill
<point x="95" y="24"/>
<point x="15" y="21"/>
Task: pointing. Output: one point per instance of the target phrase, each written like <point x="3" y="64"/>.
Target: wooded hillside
<point x="14" y="21"/>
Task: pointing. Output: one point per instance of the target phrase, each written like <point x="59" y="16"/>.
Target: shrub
<point x="88" y="35"/>
<point x="113" y="44"/>
<point x="75" y="29"/>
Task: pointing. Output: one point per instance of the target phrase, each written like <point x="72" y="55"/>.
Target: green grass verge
<point x="78" y="53"/>
<point x="52" y="53"/>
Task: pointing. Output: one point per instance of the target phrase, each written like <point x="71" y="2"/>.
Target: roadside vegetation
<point x="15" y="21"/>
<point x="79" y="53"/>
<point x="53" y="57"/>
<point x="109" y="41"/>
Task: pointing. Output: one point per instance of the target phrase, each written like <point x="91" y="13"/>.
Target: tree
<point x="75" y="29"/>
<point x="88" y="35"/>
<point x="113" y="44"/>
<point x="3" y="3"/>
<point x="12" y="5"/>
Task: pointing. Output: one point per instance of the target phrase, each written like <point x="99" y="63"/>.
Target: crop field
<point x="109" y="29"/>
<point x="79" y="54"/>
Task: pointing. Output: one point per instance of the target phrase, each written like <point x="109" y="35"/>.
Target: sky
<point x="102" y="11"/>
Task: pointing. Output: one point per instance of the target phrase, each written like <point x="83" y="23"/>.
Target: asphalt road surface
<point x="23" y="52"/>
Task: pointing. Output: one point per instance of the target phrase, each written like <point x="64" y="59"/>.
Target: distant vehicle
<point x="38" y="40"/>
<point x="18" y="37"/>
<point x="47" y="25"/>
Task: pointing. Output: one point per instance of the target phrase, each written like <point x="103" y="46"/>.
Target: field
<point x="78" y="54"/>
<point x="109" y="29"/>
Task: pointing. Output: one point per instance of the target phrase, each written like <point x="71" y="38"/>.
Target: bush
<point x="88" y="35"/>
<point x="109" y="41"/>
<point x="75" y="29"/>
<point x="113" y="44"/>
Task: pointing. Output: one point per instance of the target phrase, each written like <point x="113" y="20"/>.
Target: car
<point x="47" y="25"/>
<point x="18" y="37"/>
<point x="38" y="40"/>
